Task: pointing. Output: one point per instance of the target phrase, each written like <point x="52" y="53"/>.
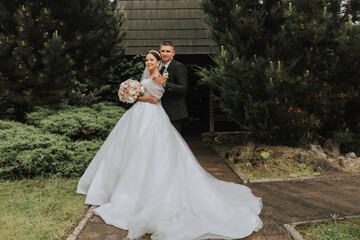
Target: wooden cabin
<point x="149" y="22"/>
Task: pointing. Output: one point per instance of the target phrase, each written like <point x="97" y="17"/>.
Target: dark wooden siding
<point x="149" y="22"/>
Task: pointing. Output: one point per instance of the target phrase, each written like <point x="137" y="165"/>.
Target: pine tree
<point x="286" y="69"/>
<point x="53" y="51"/>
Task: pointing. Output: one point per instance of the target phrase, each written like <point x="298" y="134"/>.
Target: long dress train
<point x="145" y="179"/>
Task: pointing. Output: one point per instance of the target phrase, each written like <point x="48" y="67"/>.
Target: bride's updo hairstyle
<point x="156" y="54"/>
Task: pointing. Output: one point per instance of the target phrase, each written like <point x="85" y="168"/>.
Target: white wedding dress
<point x="145" y="179"/>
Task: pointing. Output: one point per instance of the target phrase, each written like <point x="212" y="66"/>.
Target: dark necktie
<point x="162" y="69"/>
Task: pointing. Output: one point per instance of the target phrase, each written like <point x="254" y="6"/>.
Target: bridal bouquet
<point x="130" y="90"/>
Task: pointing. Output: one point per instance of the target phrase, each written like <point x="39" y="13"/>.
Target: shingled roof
<point x="149" y="22"/>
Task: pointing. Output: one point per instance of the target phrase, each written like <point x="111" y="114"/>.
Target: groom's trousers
<point x="178" y="124"/>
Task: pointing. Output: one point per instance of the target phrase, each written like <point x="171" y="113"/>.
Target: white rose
<point x="131" y="100"/>
<point x="132" y="92"/>
<point x="166" y="75"/>
<point x="142" y="89"/>
<point x="132" y="84"/>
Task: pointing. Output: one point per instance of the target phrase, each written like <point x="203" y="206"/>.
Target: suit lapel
<point x="171" y="64"/>
<point x="169" y="69"/>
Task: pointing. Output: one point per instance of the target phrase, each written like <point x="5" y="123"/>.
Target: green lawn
<point x="348" y="229"/>
<point x="39" y="209"/>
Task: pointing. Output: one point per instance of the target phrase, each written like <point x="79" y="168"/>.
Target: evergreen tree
<point x="53" y="51"/>
<point x="286" y="69"/>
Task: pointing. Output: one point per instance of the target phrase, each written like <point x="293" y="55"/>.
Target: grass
<point x="268" y="162"/>
<point x="39" y="208"/>
<point x="348" y="229"/>
<point x="276" y="168"/>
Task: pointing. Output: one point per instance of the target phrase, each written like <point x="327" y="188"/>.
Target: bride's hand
<point x="159" y="79"/>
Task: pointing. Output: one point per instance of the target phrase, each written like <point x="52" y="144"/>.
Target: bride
<point x="145" y="179"/>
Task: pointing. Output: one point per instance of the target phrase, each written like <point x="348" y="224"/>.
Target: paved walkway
<point x="284" y="202"/>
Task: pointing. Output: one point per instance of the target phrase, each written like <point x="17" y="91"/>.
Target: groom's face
<point x="167" y="53"/>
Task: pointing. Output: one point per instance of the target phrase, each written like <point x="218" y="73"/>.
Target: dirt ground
<point x="259" y="162"/>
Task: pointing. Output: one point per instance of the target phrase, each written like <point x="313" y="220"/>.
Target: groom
<point x="173" y="100"/>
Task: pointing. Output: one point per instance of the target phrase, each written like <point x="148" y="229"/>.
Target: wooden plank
<point x="149" y="22"/>
<point x="176" y="42"/>
<point x="216" y="105"/>
<point x="211" y="109"/>
<point x="133" y="34"/>
<point x="221" y="118"/>
<point x="183" y="24"/>
<point x="139" y="14"/>
<point x="180" y="50"/>
<point x="168" y="4"/>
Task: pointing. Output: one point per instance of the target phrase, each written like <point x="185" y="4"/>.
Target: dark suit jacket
<point x="173" y="100"/>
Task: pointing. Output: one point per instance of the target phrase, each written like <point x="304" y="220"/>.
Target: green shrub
<point x="26" y="151"/>
<point x="131" y="67"/>
<point x="352" y="144"/>
<point x="85" y="151"/>
<point x="41" y="112"/>
<point x="8" y="124"/>
<point x="93" y="122"/>
<point x="51" y="147"/>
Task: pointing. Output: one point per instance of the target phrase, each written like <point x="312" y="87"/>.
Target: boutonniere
<point x="165" y="74"/>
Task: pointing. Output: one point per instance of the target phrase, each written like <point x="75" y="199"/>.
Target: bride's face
<point x="151" y="62"/>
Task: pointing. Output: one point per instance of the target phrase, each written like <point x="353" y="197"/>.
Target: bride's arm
<point x="154" y="90"/>
<point x="155" y="87"/>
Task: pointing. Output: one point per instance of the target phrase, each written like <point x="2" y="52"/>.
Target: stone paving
<point x="284" y="202"/>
